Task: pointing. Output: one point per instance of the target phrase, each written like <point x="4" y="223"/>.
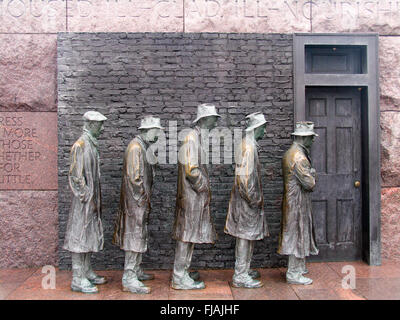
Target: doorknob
<point x="357" y="184"/>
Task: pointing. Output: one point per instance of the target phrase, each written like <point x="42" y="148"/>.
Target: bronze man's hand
<point x="144" y="199"/>
<point x="85" y="196"/>
<point x="256" y="204"/>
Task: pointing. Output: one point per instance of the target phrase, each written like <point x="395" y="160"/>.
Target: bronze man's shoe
<point x="145" y="276"/>
<point x="195" y="275"/>
<point x="188" y="286"/>
<point x="135" y="286"/>
<point x="186" y="283"/>
<point x="96" y="279"/>
<point x="138" y="290"/>
<point x="254" y="274"/>
<point x="248" y="282"/>
<point x="83" y="285"/>
<point x="299" y="280"/>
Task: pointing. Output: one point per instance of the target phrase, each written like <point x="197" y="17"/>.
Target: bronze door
<point x="336" y="156"/>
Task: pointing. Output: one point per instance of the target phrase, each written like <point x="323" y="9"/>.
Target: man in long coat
<point x="297" y="237"/>
<point x="193" y="223"/>
<point x="246" y="219"/>
<point x="84" y="233"/>
<point x="131" y="226"/>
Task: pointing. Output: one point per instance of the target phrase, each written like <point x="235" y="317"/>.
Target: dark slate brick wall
<point x="127" y="75"/>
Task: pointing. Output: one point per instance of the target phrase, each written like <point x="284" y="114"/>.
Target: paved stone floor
<point x="372" y="283"/>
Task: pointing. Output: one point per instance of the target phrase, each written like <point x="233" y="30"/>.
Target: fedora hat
<point x="150" y="122"/>
<point x="206" y="110"/>
<point x="255" y="120"/>
<point x="304" y="128"/>
<point x="94" y="116"/>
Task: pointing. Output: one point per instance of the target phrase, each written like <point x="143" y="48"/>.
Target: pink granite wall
<point x="28" y="31"/>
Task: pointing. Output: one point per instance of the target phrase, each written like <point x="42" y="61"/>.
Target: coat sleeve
<point x="193" y="172"/>
<point x="135" y="172"/>
<point x="246" y="179"/>
<point x="76" y="176"/>
<point x="302" y="171"/>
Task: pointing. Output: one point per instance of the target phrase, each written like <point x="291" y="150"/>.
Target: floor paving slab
<point x="11" y="279"/>
<point x="372" y="282"/>
<point x="388" y="269"/>
<point x="32" y="289"/>
<point x="378" y="288"/>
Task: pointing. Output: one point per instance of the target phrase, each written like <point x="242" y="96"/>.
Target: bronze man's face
<point x="210" y="122"/>
<point x="96" y="128"/>
<point x="308" y="141"/>
<point x="259" y="132"/>
<point x="153" y="134"/>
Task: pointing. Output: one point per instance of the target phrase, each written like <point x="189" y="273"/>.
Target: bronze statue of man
<point x="297" y="239"/>
<point x="246" y="219"/>
<point x="131" y="225"/>
<point x="84" y="233"/>
<point x="193" y="223"/>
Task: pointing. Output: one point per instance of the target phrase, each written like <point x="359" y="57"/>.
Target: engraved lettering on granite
<point x="307" y="9"/>
<point x="27" y="149"/>
<point x="33" y="8"/>
<point x="380" y="10"/>
<point x="122" y="8"/>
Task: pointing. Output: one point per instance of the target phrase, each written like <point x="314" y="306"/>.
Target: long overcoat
<point x="246" y="218"/>
<point x="130" y="231"/>
<point x="193" y="221"/>
<point x="297" y="233"/>
<point x="84" y="228"/>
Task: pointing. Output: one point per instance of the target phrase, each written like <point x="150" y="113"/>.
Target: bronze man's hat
<point x="150" y="122"/>
<point x="255" y="120"/>
<point x="304" y="128"/>
<point x="206" y="110"/>
<point x="94" y="116"/>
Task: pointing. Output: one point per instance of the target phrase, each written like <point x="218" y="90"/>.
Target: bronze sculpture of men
<point x="246" y="219"/>
<point x="193" y="222"/>
<point x="84" y="233"/>
<point x="134" y="208"/>
<point x="297" y="237"/>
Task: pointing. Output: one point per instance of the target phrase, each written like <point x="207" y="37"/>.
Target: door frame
<point x="370" y="121"/>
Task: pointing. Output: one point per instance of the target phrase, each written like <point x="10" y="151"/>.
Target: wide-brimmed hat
<point x="304" y="128"/>
<point x="255" y="120"/>
<point x="206" y="110"/>
<point x="94" y="116"/>
<point x="150" y="122"/>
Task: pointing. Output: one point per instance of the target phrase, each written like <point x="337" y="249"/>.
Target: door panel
<point x="320" y="213"/>
<point x="336" y="156"/>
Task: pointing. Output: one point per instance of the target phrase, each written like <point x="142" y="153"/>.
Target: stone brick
<point x="390" y="146"/>
<point x="247" y="16"/>
<point x="381" y="16"/>
<point x="389" y="75"/>
<point x="390" y="230"/>
<point x="28" y="72"/>
<point x="125" y="16"/>
<point x="28" y="228"/>
<point x="189" y="82"/>
<point x="33" y="16"/>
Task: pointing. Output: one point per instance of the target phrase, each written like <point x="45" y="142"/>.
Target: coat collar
<point x="250" y="138"/>
<point x="201" y="137"/>
<point x="198" y="130"/>
<point x="305" y="150"/>
<point x="141" y="142"/>
<point x="92" y="139"/>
